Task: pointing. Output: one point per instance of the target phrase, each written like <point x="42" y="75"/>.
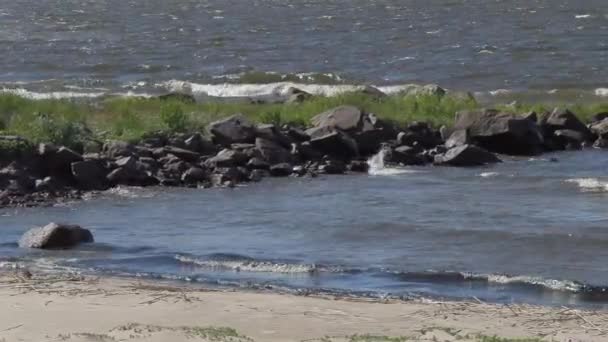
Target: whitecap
<point x="582" y="16"/>
<point x="601" y="92"/>
<point x="488" y="174"/>
<point x="498" y="92"/>
<point x="590" y="184"/>
<point x="50" y="95"/>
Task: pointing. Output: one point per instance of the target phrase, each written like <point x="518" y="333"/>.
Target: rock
<point x="258" y="164"/>
<point x="458" y="138"/>
<point x="272" y="152"/>
<point x="599" y="117"/>
<point x="57" y="161"/>
<point x="270" y="132"/>
<point x="199" y="144"/>
<point x="571" y="140"/>
<point x="345" y="118"/>
<point x="500" y="132"/>
<point x="182" y="154"/>
<point x="358" y="166"/>
<point x="181" y="97"/>
<point x="258" y="174"/>
<point x="281" y="170"/>
<point x="194" y="175"/>
<point x="90" y="174"/>
<point x="235" y="129"/>
<point x="227" y="158"/>
<point x="55" y="236"/>
<point x="405" y="155"/>
<point x="531" y="116"/>
<point x="127" y="163"/>
<point x="130" y="176"/>
<point x="601" y="143"/>
<point x="600" y="128"/>
<point x="561" y="119"/>
<point x="117" y="149"/>
<point x="333" y="167"/>
<point x="422" y="90"/>
<point x="296" y="134"/>
<point x="227" y="176"/>
<point x="466" y="155"/>
<point x="420" y="134"/>
<point x="333" y="142"/>
<point x="48" y="184"/>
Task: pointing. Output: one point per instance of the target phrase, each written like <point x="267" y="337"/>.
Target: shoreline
<point x="43" y="308"/>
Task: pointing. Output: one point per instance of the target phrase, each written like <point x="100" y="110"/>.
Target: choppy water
<point x="65" y="48"/>
<point x="526" y="230"/>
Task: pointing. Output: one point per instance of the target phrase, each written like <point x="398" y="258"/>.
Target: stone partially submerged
<point x="466" y="155"/>
<point x="55" y="236"/>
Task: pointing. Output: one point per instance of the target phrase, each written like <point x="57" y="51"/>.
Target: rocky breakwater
<point x="235" y="150"/>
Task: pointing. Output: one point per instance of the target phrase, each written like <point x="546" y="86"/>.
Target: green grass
<point x="77" y="123"/>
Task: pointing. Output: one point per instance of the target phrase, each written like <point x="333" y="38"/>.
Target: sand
<point x="77" y="308"/>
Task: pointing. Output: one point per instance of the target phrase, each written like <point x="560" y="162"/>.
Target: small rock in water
<point x="55" y="236"/>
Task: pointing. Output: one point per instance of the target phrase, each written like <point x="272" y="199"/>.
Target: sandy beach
<point x="76" y="308"/>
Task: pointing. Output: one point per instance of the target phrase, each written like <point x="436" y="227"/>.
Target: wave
<point x="245" y="264"/>
<point x="488" y="174"/>
<point x="590" y="184"/>
<point x="448" y="277"/>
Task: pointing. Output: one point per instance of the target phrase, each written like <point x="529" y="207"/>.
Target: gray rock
<point x="600" y="128"/>
<point x="182" y="154"/>
<point x="48" y="184"/>
<point x="458" y="138"/>
<point x="90" y="174"/>
<point x="333" y="142"/>
<point x="466" y="155"/>
<point x="272" y="152"/>
<point x="194" y="175"/>
<point x="55" y="236"/>
<point x="235" y="129"/>
<point x="501" y="132"/>
<point x="227" y="158"/>
<point x="258" y="164"/>
<point x="117" y="149"/>
<point x="199" y="144"/>
<point x="345" y="118"/>
<point x="561" y="119"/>
<point x="281" y="170"/>
<point x="333" y="167"/>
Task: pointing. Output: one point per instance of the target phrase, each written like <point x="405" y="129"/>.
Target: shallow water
<point x="92" y="47"/>
<point x="526" y="230"/>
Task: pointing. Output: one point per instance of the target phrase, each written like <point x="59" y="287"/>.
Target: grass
<point x="79" y="123"/>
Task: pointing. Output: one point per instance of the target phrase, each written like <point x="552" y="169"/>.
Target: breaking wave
<point x="590" y="184"/>
<point x="245" y="264"/>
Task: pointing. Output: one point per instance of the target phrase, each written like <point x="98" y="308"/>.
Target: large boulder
<point x="466" y="155"/>
<point x="90" y="174"/>
<point x="365" y="128"/>
<point x="234" y="129"/>
<point x="272" y="152"/>
<point x="600" y="128"/>
<point x="227" y="158"/>
<point x="333" y="142"/>
<point x="55" y="236"/>
<point x="117" y="149"/>
<point x="500" y="132"/>
<point x="197" y="143"/>
<point x="565" y="121"/>
<point x="345" y="118"/>
<point x="57" y="161"/>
